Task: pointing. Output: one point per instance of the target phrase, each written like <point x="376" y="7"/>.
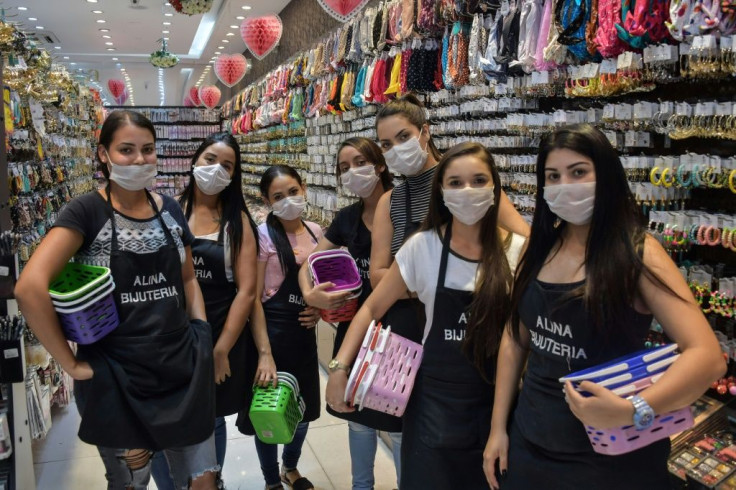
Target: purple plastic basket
<point x="337" y="267"/>
<point x="384" y="371"/>
<point x="613" y="442"/>
<point x="89" y="323"/>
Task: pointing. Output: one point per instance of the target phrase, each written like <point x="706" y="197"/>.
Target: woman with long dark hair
<point x="224" y="253"/>
<point x="590" y="268"/>
<point x="361" y="170"/>
<point x="285" y="242"/>
<point x="149" y="384"/>
<point x="460" y="267"/>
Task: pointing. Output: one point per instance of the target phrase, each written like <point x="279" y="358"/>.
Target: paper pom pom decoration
<point x="116" y="87"/>
<point x="210" y="96"/>
<point x="261" y="34"/>
<point x="194" y="96"/>
<point x="343" y="10"/>
<point x="231" y="68"/>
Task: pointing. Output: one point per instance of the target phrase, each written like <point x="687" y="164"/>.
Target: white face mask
<point x="211" y="179"/>
<point x="132" y="177"/>
<point x="573" y="203"/>
<point x="469" y="204"/>
<point x="361" y="180"/>
<point x="289" y="207"/>
<point x="407" y="158"/>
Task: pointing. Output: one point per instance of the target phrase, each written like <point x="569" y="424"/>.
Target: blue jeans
<point x="269" y="457"/>
<point x="363" y="443"/>
<point x="186" y="463"/>
<point x="160" y="467"/>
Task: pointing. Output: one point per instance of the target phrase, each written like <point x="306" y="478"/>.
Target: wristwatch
<point x="643" y="413"/>
<point x="334" y="365"/>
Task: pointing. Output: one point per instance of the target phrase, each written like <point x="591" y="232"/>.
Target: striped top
<point x="420" y="187"/>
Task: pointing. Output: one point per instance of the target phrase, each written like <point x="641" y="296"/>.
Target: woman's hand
<point x="497" y="448"/>
<point x="80" y="371"/>
<point x="266" y="372"/>
<point x="318" y="297"/>
<point x="309" y="317"/>
<point x="603" y="409"/>
<point x="335" y="392"/>
<point x="222" y="365"/>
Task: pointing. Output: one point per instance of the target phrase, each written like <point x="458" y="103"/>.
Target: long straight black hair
<point x="613" y="256"/>
<point x="231" y="198"/>
<point x="491" y="306"/>
<point x="276" y="230"/>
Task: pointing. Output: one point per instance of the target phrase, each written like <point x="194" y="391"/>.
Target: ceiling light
<point x="234" y="27"/>
<point x="166" y="39"/>
<point x="108" y="43"/>
<point x="226" y="40"/>
<point x="230" y="34"/>
<point x="101" y="21"/>
<point x="91" y="1"/>
<point x="22" y="8"/>
<point x="167" y="4"/>
<point x="106" y="37"/>
<point x="72" y="63"/>
<point x="57" y="47"/>
<point x="104" y="30"/>
<point x="97" y="11"/>
<point x="66" y="57"/>
<point x="220" y="47"/>
<point x="169" y="14"/>
<point x="111" y="49"/>
<point x="240" y="17"/>
<point x="40" y="28"/>
<point x="164" y="32"/>
<point x="246" y="7"/>
<point x="32" y="18"/>
<point x="167" y="23"/>
<point x="114" y="59"/>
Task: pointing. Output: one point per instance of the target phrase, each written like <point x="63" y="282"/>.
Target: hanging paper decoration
<point x="116" y="87"/>
<point x="192" y="7"/>
<point x="210" y="96"/>
<point x="194" y="96"/>
<point x="261" y="34"/>
<point x="231" y="68"/>
<point x="343" y="10"/>
<point x="162" y="58"/>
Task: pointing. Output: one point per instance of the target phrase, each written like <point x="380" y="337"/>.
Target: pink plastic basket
<point x="337" y="267"/>
<point x="384" y="371"/>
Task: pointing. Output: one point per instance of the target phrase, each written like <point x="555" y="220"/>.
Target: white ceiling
<point x="71" y="26"/>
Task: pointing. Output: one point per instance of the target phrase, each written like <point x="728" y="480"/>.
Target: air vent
<point x="43" y="37"/>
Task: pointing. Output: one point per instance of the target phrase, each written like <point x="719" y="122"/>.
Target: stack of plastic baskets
<point x="384" y="371"/>
<point x="83" y="298"/>
<point x="275" y="412"/>
<point x="339" y="268"/>
<point x="628" y="376"/>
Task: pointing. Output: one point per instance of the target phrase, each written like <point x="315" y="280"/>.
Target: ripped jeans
<point x="131" y="469"/>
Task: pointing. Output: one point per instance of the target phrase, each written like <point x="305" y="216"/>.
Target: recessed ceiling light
<point x="57" y="47"/>
<point x="106" y="37"/>
<point x="109" y="43"/>
<point x="104" y="30"/>
<point x="220" y="47"/>
<point x="111" y="49"/>
<point x="72" y="63"/>
<point x="167" y="4"/>
<point x="101" y="21"/>
<point x="97" y="11"/>
<point x="240" y="17"/>
<point x="164" y="32"/>
<point x="114" y="59"/>
<point x="91" y="1"/>
<point x="167" y="23"/>
<point x="66" y="57"/>
<point x="22" y="8"/>
<point x="230" y="34"/>
<point x="32" y="18"/>
<point x="226" y="40"/>
<point x="234" y="27"/>
<point x="166" y="39"/>
<point x="40" y="28"/>
<point x="169" y="14"/>
<point x="218" y="52"/>
<point x="246" y="7"/>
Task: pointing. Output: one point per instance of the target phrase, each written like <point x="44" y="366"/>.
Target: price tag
<point x="623" y="112"/>
<point x="643" y="110"/>
<point x="609" y="111"/>
<point x="650" y="54"/>
<point x="608" y="66"/>
<point x="544" y="77"/>
<point x="560" y="117"/>
<point x="685" y="49"/>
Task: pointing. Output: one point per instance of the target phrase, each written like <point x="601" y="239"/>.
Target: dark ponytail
<point x="413" y="110"/>
<point x="275" y="229"/>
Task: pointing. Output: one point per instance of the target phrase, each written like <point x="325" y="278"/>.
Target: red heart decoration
<point x="231" y="68"/>
<point x="343" y="10"/>
<point x="194" y="96"/>
<point x="188" y="102"/>
<point x="116" y="87"/>
<point x="261" y="34"/>
<point x="209" y="95"/>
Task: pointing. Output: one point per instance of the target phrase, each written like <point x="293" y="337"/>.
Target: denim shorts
<point x="186" y="463"/>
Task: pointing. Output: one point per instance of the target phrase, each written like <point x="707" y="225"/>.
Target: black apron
<point x="406" y="317"/>
<point x="359" y="246"/>
<point x="153" y="384"/>
<point x="448" y="419"/>
<point x="219" y="293"/>
<point x="294" y="347"/>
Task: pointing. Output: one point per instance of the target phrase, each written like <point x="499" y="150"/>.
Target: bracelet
<point x="697" y="181"/>
<point x="732" y="181"/>
<point x="663" y="179"/>
<point x="701" y="235"/>
<point x="716" y="236"/>
<point x="693" y="235"/>
<point x="711" y="177"/>
<point x="726" y="237"/>
<point x="681" y="234"/>
<point x="652" y="178"/>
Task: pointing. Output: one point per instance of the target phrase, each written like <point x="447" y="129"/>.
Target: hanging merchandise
<point x="163" y="58"/>
<point x="343" y="10"/>
<point x="194" y="96"/>
<point x="192" y="7"/>
<point x="116" y="87"/>
<point x="231" y="68"/>
<point x="210" y="96"/>
<point x="261" y="34"/>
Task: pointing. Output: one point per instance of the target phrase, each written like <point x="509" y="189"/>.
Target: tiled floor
<point x="63" y="462"/>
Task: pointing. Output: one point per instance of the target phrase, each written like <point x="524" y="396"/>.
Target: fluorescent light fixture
<point x="203" y="34"/>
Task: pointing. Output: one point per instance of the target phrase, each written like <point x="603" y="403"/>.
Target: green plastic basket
<point x="275" y="412"/>
<point x="76" y="280"/>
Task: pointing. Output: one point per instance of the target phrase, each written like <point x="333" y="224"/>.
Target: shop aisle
<point x="63" y="462"/>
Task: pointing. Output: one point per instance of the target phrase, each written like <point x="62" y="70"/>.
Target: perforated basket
<point x="337" y="267"/>
<point x="275" y="412"/>
<point x="76" y="280"/>
<point x="92" y="295"/>
<point x="91" y="320"/>
<point x="343" y="314"/>
<point x="384" y="371"/>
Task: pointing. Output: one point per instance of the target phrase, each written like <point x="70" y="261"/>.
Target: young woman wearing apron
<point x="591" y="267"/>
<point x="448" y="416"/>
<point x="148" y="385"/>
<point x="285" y="242"/>
<point x="224" y="252"/>
<point x="362" y="170"/>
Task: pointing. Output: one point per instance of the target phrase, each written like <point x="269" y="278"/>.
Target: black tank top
<point x="564" y="339"/>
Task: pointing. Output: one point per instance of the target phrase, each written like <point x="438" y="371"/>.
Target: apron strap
<point x="445" y="256"/>
<point x="310" y="231"/>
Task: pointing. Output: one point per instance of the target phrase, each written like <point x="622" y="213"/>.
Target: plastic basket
<point x="90" y="321"/>
<point x="384" y="371"/>
<point x="76" y="280"/>
<point x="275" y="412"/>
<point x="95" y="293"/>
<point x="343" y="314"/>
<point x="337" y="267"/>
